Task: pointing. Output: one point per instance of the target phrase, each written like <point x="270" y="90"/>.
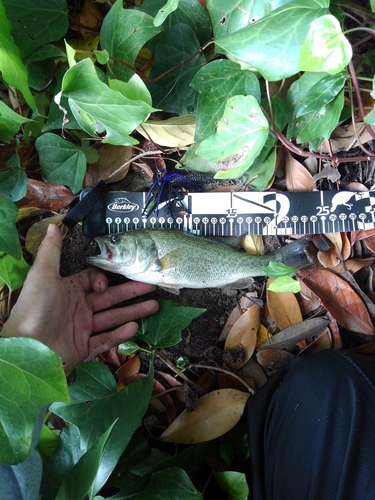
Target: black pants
<point x="312" y="430"/>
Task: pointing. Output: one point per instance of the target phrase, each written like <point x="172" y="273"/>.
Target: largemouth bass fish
<point x="173" y="260"/>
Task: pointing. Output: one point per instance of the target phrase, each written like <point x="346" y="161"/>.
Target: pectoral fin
<point x="170" y="260"/>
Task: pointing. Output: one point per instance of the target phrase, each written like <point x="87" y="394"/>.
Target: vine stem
<point x="227" y="372"/>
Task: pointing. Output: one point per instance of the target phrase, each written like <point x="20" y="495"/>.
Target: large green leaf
<point x="239" y="137"/>
<point x="228" y="17"/>
<point x="36" y="22"/>
<point x="313" y="126"/>
<point x="58" y="465"/>
<point x="31" y="376"/>
<point x="78" y="482"/>
<point x="13" y="272"/>
<point x="93" y="381"/>
<point x="325" y="47"/>
<point x="170" y="483"/>
<point x="61" y="161"/>
<point x="9" y="241"/>
<point x="97" y="108"/>
<point x="119" y="38"/>
<point x="216" y="82"/>
<point x="10" y="121"/>
<point x="127" y="406"/>
<point x="173" y="92"/>
<point x="234" y="483"/>
<point x="273" y="44"/>
<point x="190" y="12"/>
<point x="12" y="68"/>
<point x="164" y="328"/>
<point x="320" y="94"/>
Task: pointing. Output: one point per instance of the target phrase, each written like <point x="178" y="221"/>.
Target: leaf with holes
<point x="239" y="137"/>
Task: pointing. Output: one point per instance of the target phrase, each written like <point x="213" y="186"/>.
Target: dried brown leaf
<point x="283" y="307"/>
<point x="243" y="334"/>
<point x="339" y="299"/>
<point x="335" y="333"/>
<point x="321" y="343"/>
<point x="46" y="196"/>
<point x="129" y="368"/>
<point x="354" y="265"/>
<point x="361" y="235"/>
<point x="113" y="164"/>
<point x="298" y="178"/>
<point x="214" y="415"/>
<point x="245" y="303"/>
<point x="273" y="359"/>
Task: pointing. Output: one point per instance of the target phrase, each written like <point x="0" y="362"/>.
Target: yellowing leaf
<point x="253" y="244"/>
<point x="284" y="308"/>
<point x="176" y="132"/>
<point x="298" y="178"/>
<point x="263" y="335"/>
<point x="23" y="213"/>
<point x="243" y="335"/>
<point x="38" y="230"/>
<point x="113" y="164"/>
<point x="214" y="415"/>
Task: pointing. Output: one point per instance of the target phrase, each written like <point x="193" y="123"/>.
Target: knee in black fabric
<point x="311" y="428"/>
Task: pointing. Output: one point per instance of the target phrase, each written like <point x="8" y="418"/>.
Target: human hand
<point x="63" y="315"/>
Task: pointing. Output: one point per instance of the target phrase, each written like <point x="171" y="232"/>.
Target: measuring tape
<point x="236" y="213"/>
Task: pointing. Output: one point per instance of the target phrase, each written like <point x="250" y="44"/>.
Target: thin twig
<point x="227" y="372"/>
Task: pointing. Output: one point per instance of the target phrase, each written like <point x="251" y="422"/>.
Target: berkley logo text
<point x="123" y="205"/>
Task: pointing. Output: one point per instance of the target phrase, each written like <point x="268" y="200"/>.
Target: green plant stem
<point x="227" y="372"/>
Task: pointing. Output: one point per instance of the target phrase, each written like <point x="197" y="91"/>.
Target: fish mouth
<point x="104" y="256"/>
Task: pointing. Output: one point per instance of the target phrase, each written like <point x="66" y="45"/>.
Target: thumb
<point x="47" y="259"/>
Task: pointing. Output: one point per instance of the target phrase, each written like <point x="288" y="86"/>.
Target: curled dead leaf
<point x="46" y="196"/>
<point x="293" y="334"/>
<point x="273" y="359"/>
<point x="253" y="244"/>
<point x="324" y="341"/>
<point x="129" y="368"/>
<point x="298" y="178"/>
<point x="214" y="415"/>
<point x="113" y="164"/>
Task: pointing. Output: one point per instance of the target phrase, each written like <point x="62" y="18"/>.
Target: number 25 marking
<point x="324" y="210"/>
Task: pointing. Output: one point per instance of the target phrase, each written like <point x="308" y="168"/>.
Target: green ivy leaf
<point x="172" y="483"/>
<point x="12" y="68"/>
<point x="32" y="376"/>
<point x="10" y="121"/>
<point x="229" y="17"/>
<point x="13" y="183"/>
<point x="320" y="94"/>
<point x="216" y="82"/>
<point x="128" y="347"/>
<point x="163" y="329"/>
<point x="9" y="241"/>
<point x="97" y="108"/>
<point x="325" y="47"/>
<point x="277" y="270"/>
<point x="190" y="12"/>
<point x="79" y="480"/>
<point x="127" y="406"/>
<point x="240" y="136"/>
<point x="93" y="381"/>
<point x="123" y="34"/>
<point x="312" y="126"/>
<point x="173" y="92"/>
<point x="36" y="23"/>
<point x="165" y="11"/>
<point x="234" y="483"/>
<point x="134" y="89"/>
<point x="273" y="44"/>
<point x="285" y="284"/>
<point x="13" y="272"/>
<point x="61" y="161"/>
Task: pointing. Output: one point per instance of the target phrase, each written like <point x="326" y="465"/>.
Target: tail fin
<point x="296" y="254"/>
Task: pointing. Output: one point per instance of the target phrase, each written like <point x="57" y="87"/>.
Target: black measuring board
<point x="236" y="213"/>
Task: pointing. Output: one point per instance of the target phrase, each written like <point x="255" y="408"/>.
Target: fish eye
<point x="115" y="238"/>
